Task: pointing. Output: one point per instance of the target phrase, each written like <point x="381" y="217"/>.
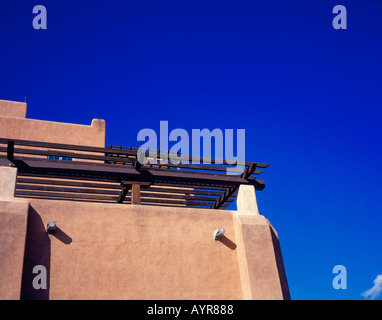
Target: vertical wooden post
<point x="136" y="194"/>
<point x="10" y="150"/>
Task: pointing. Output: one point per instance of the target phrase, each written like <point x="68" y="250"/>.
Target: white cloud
<point x="375" y="291"/>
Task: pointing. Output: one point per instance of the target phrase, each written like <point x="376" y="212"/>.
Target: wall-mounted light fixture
<point x="218" y="233"/>
<point x="51" y="227"/>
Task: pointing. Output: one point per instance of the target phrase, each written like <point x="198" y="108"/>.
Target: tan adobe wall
<point x="121" y="251"/>
<point x="15" y="126"/>
<point x="13" y="225"/>
<point x="13" y="109"/>
<point x="111" y="251"/>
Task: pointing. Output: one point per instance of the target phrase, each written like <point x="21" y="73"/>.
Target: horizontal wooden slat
<point x="177" y="196"/>
<point x="68" y="183"/>
<point x="110" y="150"/>
<point x="65" y="176"/>
<point x="174" y="190"/>
<point x="73" y="155"/>
<point x="64" y="195"/>
<point x="65" y="189"/>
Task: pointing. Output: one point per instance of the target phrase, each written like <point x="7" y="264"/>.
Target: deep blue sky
<point x="308" y="96"/>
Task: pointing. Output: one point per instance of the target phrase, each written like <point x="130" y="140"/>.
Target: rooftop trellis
<point x="114" y="174"/>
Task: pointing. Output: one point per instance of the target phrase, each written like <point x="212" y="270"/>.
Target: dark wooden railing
<point x="115" y="175"/>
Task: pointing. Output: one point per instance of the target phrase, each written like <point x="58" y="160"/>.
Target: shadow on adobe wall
<point x="223" y="239"/>
<point x="62" y="236"/>
<point x="280" y="265"/>
<point x="37" y="252"/>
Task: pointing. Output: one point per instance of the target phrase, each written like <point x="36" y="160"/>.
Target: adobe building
<point x="102" y="226"/>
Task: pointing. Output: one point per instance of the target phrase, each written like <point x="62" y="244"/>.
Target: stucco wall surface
<point x="107" y="251"/>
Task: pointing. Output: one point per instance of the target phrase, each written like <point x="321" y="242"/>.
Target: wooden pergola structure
<point x="114" y="174"/>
